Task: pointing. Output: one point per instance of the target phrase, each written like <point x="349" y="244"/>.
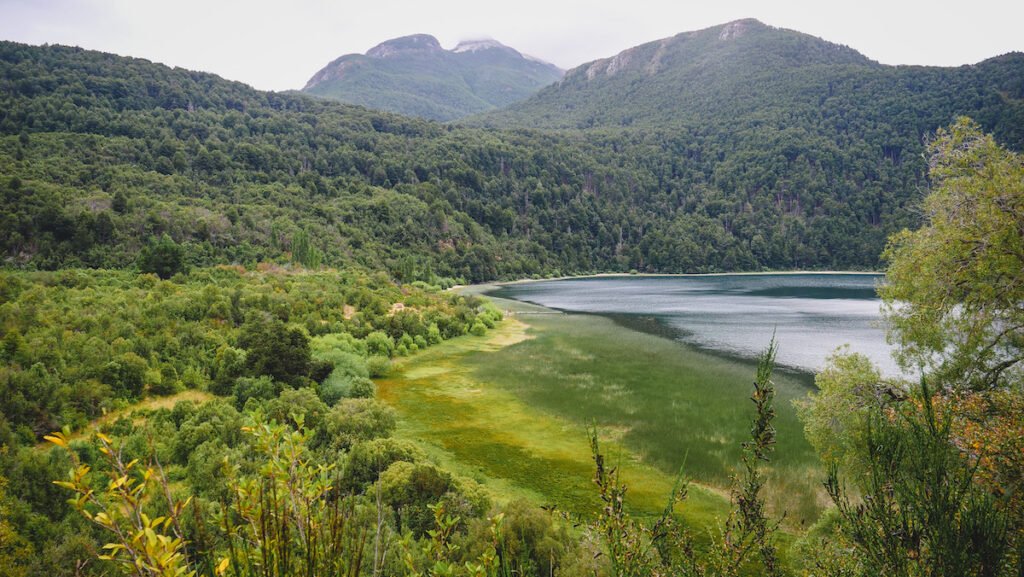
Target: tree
<point x="835" y="416"/>
<point x="954" y="296"/>
<point x="15" y="550"/>
<point x="165" y="258"/>
<point x="120" y="202"/>
<point x="274" y="349"/>
<point x="303" y="252"/>
<point x="937" y="494"/>
<point x="126" y="375"/>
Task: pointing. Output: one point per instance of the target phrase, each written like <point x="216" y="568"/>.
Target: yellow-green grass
<point x="133" y="411"/>
<point x="673" y="404"/>
<point x="483" y="431"/>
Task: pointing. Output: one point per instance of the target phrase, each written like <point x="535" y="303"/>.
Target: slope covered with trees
<point x="746" y="74"/>
<point x="100" y="154"/>
<point x="414" y="75"/>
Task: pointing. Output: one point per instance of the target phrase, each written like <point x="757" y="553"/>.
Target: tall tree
<point x="955" y="293"/>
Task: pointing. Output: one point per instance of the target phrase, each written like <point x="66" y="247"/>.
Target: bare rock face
<point x="736" y="29"/>
<point x="648" y="57"/>
<point x="333" y="71"/>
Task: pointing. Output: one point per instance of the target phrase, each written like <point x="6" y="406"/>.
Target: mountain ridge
<point x="744" y="71"/>
<point x="415" y="75"/>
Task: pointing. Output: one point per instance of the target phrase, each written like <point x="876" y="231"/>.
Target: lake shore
<point x="460" y="287"/>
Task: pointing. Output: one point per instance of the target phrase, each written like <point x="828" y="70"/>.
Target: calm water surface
<point x="811" y="314"/>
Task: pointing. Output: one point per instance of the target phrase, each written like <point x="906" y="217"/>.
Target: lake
<point x="735" y="315"/>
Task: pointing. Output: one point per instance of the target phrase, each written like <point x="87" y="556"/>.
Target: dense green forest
<point x="101" y="153"/>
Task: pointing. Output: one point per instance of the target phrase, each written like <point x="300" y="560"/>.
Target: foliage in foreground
<point x="921" y="510"/>
<point x="287" y="500"/>
<point x="928" y="480"/>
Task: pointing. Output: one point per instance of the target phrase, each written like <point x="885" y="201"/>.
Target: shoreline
<point x="672" y="275"/>
<point x="803" y="372"/>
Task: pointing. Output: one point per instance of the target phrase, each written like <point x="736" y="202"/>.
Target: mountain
<point x="414" y="75"/>
<point x="747" y="73"/>
<point x="100" y="153"/>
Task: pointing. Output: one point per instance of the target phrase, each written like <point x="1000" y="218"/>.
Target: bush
<point x="164" y="258"/>
<point x="378" y="343"/>
<point x="275" y="349"/>
<point x="356" y="420"/>
<point x="378" y="366"/>
<point x="294" y="404"/>
<point x="258" y="388"/>
<point x="362" y="389"/>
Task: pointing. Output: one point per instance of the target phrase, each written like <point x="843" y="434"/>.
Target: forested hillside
<point x="100" y="154"/>
<point x="747" y="76"/>
<point x="414" y="75"/>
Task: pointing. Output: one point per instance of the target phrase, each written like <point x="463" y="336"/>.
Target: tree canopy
<point x="954" y="296"/>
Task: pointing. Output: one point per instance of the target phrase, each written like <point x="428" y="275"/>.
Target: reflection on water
<point x="811" y="314"/>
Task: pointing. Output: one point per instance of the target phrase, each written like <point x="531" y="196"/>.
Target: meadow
<point x="512" y="410"/>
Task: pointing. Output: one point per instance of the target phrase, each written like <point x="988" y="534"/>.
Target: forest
<point x="202" y="282"/>
<point x="103" y="153"/>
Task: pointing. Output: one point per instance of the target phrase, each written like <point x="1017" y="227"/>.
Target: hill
<point x="101" y="154"/>
<point x="414" y="75"/>
<point x="746" y="73"/>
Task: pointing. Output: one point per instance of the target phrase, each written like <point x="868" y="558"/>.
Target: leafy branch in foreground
<point x="143" y="546"/>
<point x="748" y="527"/>
<point x="289" y="519"/>
<point x="665" y="547"/>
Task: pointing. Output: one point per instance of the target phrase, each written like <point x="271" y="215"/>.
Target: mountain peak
<point x="415" y="75"/>
<point x="478" y="44"/>
<point x="738" y="28"/>
<point x="414" y="44"/>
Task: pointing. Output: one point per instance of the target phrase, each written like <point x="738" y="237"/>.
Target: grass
<point x="483" y="431"/>
<point x="131" y="411"/>
<point x="669" y="404"/>
<point x="511" y="410"/>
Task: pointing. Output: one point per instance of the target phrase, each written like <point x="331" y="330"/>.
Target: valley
<point x="247" y="333"/>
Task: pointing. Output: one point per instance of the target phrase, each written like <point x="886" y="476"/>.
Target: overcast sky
<point x="279" y="45"/>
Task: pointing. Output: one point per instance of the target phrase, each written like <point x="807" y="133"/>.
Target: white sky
<point x="278" y="45"/>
